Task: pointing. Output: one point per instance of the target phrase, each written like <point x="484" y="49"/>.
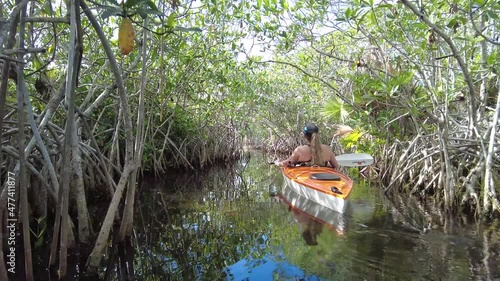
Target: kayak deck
<point x="328" y="181"/>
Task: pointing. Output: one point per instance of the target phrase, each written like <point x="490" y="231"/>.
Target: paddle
<point x="354" y="159"/>
<point x="351" y="160"/>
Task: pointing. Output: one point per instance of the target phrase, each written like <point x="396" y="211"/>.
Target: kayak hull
<point x="331" y="193"/>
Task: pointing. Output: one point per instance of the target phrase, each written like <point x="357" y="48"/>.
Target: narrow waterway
<point x="224" y="224"/>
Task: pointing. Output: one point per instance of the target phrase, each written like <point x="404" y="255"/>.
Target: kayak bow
<point x="322" y="185"/>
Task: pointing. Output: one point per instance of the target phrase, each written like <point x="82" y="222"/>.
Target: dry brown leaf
<point x="126" y="37"/>
<point x="342" y="130"/>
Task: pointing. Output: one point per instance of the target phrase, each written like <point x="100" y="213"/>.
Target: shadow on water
<point x="224" y="225"/>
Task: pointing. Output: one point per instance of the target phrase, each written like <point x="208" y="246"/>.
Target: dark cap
<point x="309" y="129"/>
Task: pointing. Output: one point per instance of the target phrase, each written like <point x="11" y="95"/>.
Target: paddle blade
<point x="354" y="159"/>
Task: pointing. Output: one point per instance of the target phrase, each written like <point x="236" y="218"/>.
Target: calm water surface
<point x="224" y="224"/>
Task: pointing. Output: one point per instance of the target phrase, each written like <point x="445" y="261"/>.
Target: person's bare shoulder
<point x="325" y="147"/>
<point x="303" y="147"/>
<point x="299" y="149"/>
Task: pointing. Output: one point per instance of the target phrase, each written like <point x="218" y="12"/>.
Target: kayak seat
<point x="324" y="177"/>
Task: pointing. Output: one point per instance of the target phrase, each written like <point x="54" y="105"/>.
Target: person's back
<point x="327" y="154"/>
<point x="305" y="154"/>
<point x="315" y="152"/>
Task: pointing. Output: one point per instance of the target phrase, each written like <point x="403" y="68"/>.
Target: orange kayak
<point x="322" y="185"/>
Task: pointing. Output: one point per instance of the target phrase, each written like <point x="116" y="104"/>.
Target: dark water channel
<point x="224" y="225"/>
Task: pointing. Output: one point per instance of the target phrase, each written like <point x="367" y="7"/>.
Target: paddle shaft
<point x="351" y="160"/>
<point x="354" y="159"/>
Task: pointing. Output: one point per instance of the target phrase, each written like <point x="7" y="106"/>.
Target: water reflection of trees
<point x="193" y="227"/>
<point x="387" y="242"/>
<point x="406" y="239"/>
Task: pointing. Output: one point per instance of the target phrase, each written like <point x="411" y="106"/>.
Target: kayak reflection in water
<point x="312" y="227"/>
<point x="314" y="153"/>
<point x="311" y="216"/>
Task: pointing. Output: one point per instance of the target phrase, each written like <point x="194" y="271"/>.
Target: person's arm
<point x="333" y="161"/>
<point x="292" y="159"/>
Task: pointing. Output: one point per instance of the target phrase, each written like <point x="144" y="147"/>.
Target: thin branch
<point x="479" y="32"/>
<point x="7" y="58"/>
<point x="330" y="55"/>
<point x="23" y="51"/>
<point x="337" y="92"/>
<point x="45" y="19"/>
<point x="456" y="54"/>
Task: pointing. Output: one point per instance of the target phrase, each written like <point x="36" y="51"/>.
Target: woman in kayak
<point x="315" y="153"/>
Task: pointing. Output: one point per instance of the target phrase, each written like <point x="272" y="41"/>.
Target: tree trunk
<point x="483" y="91"/>
<point x="71" y="81"/>
<point x="111" y="186"/>
<point x="115" y="145"/>
<point x="39" y="196"/>
<point x="489" y="193"/>
<point x="96" y="255"/>
<point x="79" y="189"/>
<point x="3" y="269"/>
<point x="22" y="179"/>
<point x="11" y="22"/>
<point x="49" y="112"/>
<point x="128" y="213"/>
<point x="11" y="41"/>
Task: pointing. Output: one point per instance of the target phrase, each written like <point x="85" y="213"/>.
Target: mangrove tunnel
<point x="136" y="137"/>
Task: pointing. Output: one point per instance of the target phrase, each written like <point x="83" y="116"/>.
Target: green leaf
<point x="152" y="5"/>
<point x="36" y="64"/>
<point x="171" y="20"/>
<point x="480" y="2"/>
<point x="46" y="9"/>
<point x="142" y="13"/>
<point x="452" y="23"/>
<point x="142" y="3"/>
<point x="145" y="12"/>
<point x="405" y="78"/>
<point x="348" y="13"/>
<point x="491" y="59"/>
<point x="384" y="5"/>
<point x="154" y="54"/>
<point x="478" y="39"/>
<point x="284" y="4"/>
<point x="364" y="3"/>
<point x="352" y="138"/>
<point x="130" y="3"/>
<point x="492" y="14"/>
<point x="496" y="69"/>
<point x="110" y="11"/>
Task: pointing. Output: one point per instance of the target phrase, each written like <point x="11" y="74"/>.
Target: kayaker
<point x="310" y="234"/>
<point x="314" y="153"/>
<point x="312" y="228"/>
